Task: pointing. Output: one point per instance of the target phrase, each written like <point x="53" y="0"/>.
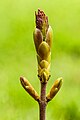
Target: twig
<point x="43" y="41"/>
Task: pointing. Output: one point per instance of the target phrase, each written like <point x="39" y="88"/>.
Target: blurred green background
<point x="18" y="57"/>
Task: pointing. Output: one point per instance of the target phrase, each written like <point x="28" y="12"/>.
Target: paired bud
<point x="43" y="41"/>
<point x="29" y="88"/>
<point x="55" y="88"/>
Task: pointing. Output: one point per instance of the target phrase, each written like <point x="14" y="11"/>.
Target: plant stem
<point x="42" y="102"/>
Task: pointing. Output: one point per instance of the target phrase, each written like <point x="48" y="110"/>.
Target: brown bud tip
<point x="42" y="22"/>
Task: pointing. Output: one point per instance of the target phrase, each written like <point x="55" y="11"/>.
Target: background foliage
<point x="18" y="57"/>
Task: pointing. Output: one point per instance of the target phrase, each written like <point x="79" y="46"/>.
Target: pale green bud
<point x="38" y="38"/>
<point x="44" y="50"/>
<point x="43" y="75"/>
<point x="55" y="88"/>
<point x="44" y="64"/>
<point x="43" y="41"/>
<point x="49" y="36"/>
<point x="58" y="83"/>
